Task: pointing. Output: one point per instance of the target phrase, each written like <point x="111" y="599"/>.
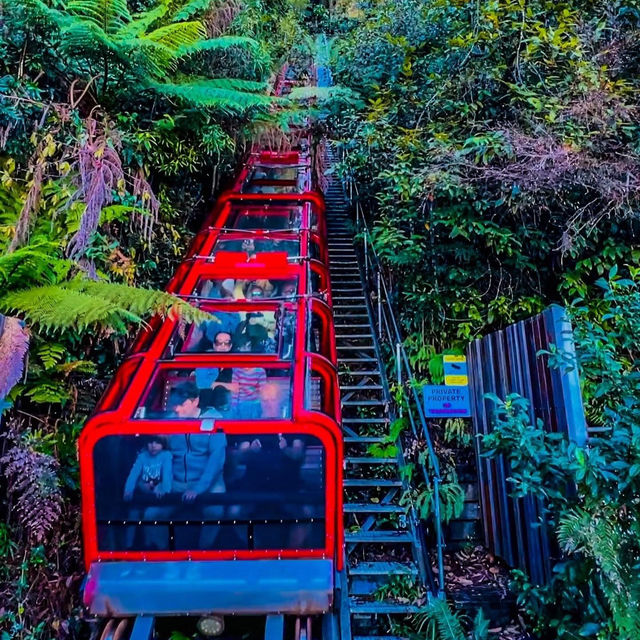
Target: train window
<point x="280" y="172"/>
<point x="265" y="218"/>
<point x="254" y="245"/>
<point x="239" y="289"/>
<point x="195" y="491"/>
<point x="147" y="334"/>
<point x="120" y="383"/>
<point x="314" y="249"/>
<point x="269" y="331"/>
<point x="318" y="338"/>
<point x="222" y="393"/>
<point x="319" y="284"/>
<point x="319" y="392"/>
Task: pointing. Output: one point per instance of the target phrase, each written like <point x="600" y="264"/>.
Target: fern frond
<point x="85" y="36"/>
<point x="326" y="94"/>
<point x="79" y="304"/>
<point x="448" y="622"/>
<point x="219" y="44"/>
<point x="143" y="21"/>
<point x="155" y="58"/>
<point x="108" y="15"/>
<point x="205" y="93"/>
<point x="179" y="35"/>
<point x="595" y="534"/>
<point x="192" y="8"/>
<point x="32" y="265"/>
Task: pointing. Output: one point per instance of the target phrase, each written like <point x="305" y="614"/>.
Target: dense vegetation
<point x="118" y="122"/>
<point x="496" y="144"/>
<point x="499" y="154"/>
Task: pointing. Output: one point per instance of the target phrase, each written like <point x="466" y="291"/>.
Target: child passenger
<point x="151" y="472"/>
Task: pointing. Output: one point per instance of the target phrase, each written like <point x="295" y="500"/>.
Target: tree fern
<point x="192" y="8"/>
<point x="32" y="265"/>
<point x="178" y="36"/>
<point x="448" y="622"/>
<point x="108" y="15"/>
<point x="80" y="304"/>
<point x="207" y="93"/>
<point x="220" y="44"/>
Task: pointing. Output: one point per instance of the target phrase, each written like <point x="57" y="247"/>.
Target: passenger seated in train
<point x="197" y="468"/>
<point x="246" y="383"/>
<point x="151" y="472"/>
<point x="150" y="477"/>
<point x="254" y="329"/>
<point x="287" y="289"/>
<point x="208" y="378"/>
<point x="272" y="463"/>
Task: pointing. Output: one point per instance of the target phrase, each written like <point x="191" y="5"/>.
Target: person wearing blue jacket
<point x="197" y="469"/>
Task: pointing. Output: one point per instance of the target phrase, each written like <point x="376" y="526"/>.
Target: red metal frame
<point x="133" y="378"/>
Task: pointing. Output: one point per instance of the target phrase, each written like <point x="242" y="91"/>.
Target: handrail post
<point x="399" y="373"/>
<point x="366" y="264"/>
<point x="379" y="305"/>
<point x="436" y="506"/>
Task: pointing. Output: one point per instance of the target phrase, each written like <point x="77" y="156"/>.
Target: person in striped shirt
<point x="246" y="384"/>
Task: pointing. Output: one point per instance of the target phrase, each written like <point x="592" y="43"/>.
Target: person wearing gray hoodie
<point x="197" y="468"/>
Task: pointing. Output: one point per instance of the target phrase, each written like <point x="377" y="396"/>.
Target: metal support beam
<point x="142" y="628"/>
<point x="274" y="627"/>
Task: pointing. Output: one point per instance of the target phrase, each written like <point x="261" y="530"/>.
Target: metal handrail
<point x="404" y="375"/>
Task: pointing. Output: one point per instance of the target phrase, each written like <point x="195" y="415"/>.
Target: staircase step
<point x="378" y="536"/>
<point x="348" y="306"/>
<point x="363" y="439"/>
<point x="379" y="421"/>
<point x="370" y="460"/>
<point x="363" y="403"/>
<point x="357" y="507"/>
<point x="379" y="638"/>
<point x="355" y="348"/>
<point x="361" y="387"/>
<point x="363" y="374"/>
<point x="365" y="606"/>
<point x="365" y="483"/>
<point x="383" y="568"/>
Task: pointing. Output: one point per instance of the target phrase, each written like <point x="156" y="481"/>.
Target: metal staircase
<point x="385" y="555"/>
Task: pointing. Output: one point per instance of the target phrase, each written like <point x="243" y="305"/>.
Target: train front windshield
<point x="268" y="331"/>
<point x="209" y="491"/>
<point x="254" y="218"/>
<point x="222" y="392"/>
<point x="252" y="245"/>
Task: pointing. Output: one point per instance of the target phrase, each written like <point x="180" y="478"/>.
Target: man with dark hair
<point x="197" y="467"/>
<point x="211" y="377"/>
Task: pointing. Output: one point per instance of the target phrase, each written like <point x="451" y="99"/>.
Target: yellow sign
<point x="455" y="371"/>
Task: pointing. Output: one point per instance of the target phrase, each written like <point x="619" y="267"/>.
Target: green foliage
<point x="488" y="153"/>
<point x="164" y="95"/>
<point x="594" y="591"/>
<point x="81" y="303"/>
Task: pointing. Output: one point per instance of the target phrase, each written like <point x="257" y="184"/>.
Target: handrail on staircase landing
<point x="386" y="321"/>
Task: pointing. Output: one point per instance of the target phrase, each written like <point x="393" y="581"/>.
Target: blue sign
<point x="446" y="401"/>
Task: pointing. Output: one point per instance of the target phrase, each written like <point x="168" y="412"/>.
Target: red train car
<point x="211" y="470"/>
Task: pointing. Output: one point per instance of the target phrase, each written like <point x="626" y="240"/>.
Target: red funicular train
<point x="211" y="469"/>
